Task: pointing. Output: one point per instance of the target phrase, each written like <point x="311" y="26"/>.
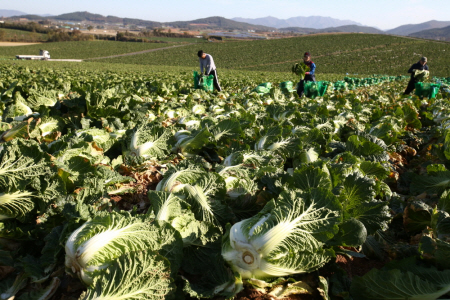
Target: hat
<point x="307" y="54"/>
<point x="423" y="59"/>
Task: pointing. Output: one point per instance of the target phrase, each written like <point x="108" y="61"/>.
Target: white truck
<point x="43" y="55"/>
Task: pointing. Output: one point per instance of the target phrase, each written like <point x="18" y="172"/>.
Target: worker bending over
<point x="207" y="63"/>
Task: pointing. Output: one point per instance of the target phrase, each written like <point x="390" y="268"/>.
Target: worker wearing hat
<point x="419" y="66"/>
<point x="309" y="76"/>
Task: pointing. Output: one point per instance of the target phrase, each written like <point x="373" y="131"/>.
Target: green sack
<point x="287" y="86"/>
<point x="205" y="83"/>
<point x="263" y="88"/>
<point x="314" y="89"/>
<point x="429" y="90"/>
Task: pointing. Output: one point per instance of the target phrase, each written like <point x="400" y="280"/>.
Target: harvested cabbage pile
<point x="300" y="69"/>
<point x="421" y="75"/>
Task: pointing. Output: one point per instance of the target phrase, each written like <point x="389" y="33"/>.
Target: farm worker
<point x="309" y="76"/>
<point x="421" y="65"/>
<point x="207" y="63"/>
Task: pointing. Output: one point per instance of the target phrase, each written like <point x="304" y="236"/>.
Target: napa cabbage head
<point x="147" y="141"/>
<point x="98" y="242"/>
<point x="286" y="237"/>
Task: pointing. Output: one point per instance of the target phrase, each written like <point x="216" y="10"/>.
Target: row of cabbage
<point x="243" y="189"/>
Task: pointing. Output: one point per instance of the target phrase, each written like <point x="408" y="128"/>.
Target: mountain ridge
<point x="338" y="29"/>
<point x="315" y="22"/>
<point x="204" y="23"/>
<point x="442" y="34"/>
<point x="6" y="13"/>
<point x="413" y="28"/>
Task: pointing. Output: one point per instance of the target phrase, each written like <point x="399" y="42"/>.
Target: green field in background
<point x="333" y="54"/>
<point x="80" y="50"/>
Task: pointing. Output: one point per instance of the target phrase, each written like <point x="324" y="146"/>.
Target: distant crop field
<point x="13" y="35"/>
<point x="344" y="53"/>
<point x="176" y="40"/>
<point x="333" y="54"/>
<point x="80" y="50"/>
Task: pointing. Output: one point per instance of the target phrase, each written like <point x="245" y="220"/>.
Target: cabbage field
<point x="133" y="185"/>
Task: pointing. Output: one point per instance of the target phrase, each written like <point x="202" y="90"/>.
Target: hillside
<point x="217" y="22"/>
<point x="300" y="30"/>
<point x="205" y="23"/>
<point x="346" y="28"/>
<point x="355" y="28"/>
<point x="316" y="22"/>
<point x="13" y="35"/>
<point x="412" y="28"/>
<point x="442" y="34"/>
<point x="334" y="54"/>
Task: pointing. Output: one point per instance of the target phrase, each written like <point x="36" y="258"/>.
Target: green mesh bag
<point x="429" y="90"/>
<point x="263" y="88"/>
<point x="314" y="89"/>
<point x="203" y="82"/>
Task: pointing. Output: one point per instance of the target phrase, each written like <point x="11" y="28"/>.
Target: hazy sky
<point x="384" y="14"/>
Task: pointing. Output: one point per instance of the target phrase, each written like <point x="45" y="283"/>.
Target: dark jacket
<point x="416" y="66"/>
<point x="312" y="69"/>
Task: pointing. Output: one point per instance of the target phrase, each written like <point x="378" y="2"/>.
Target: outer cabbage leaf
<point x="201" y="241"/>
<point x="148" y="141"/>
<point x="10" y="287"/>
<point x="375" y="215"/>
<point x="165" y="206"/>
<point x="15" y="204"/>
<point x="19" y="130"/>
<point x="21" y="162"/>
<point x="356" y="190"/>
<point x="309" y="177"/>
<point x="436" y="251"/>
<point x="201" y="190"/>
<point x="436" y="182"/>
<point x="367" y="147"/>
<point x="240" y="186"/>
<point x="417" y="216"/>
<point x="286" y="146"/>
<point x="190" y="142"/>
<point x="49" y="128"/>
<point x="18" y="110"/>
<point x="43" y="294"/>
<point x="142" y="275"/>
<point x="374" y="169"/>
<point x="402" y="280"/>
<point x="444" y="202"/>
<point x="218" y="280"/>
<point x="352" y="233"/>
<point x="43" y="97"/>
<point x="102" y="139"/>
<point x="226" y="129"/>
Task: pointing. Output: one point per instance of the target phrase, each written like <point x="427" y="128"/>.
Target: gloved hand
<point x="414" y="70"/>
<point x="306" y="73"/>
